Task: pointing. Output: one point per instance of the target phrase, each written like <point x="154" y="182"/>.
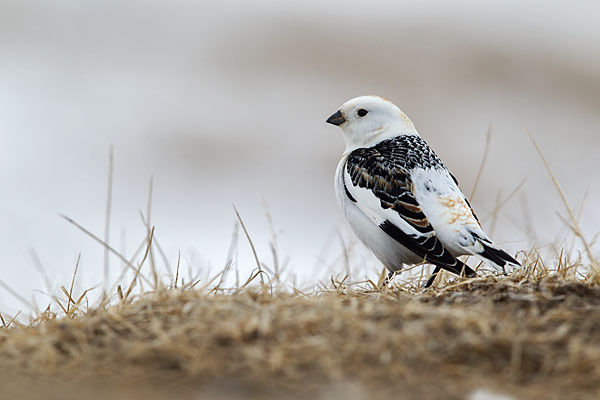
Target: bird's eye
<point x="362" y="112"/>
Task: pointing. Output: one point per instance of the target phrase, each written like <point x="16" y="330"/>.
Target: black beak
<point x="336" y="119"/>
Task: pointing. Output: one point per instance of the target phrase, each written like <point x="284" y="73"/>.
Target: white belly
<point x="391" y="253"/>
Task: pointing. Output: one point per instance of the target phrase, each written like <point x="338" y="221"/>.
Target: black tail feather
<point x="497" y="256"/>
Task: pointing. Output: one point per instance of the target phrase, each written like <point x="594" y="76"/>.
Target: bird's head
<point x="367" y="120"/>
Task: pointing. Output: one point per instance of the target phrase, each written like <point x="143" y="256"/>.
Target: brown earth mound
<point x="527" y="339"/>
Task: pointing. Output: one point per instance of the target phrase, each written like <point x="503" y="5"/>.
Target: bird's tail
<point x="497" y="257"/>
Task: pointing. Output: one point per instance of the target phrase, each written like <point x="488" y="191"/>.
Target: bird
<point x="400" y="199"/>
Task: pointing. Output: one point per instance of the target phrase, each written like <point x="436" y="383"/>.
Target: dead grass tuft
<point x="531" y="334"/>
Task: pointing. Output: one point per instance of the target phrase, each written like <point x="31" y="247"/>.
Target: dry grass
<point x="532" y="334"/>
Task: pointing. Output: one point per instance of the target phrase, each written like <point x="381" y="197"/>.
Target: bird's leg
<point x="434" y="275"/>
<point x="388" y="279"/>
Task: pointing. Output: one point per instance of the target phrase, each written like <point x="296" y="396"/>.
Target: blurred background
<point x="224" y="102"/>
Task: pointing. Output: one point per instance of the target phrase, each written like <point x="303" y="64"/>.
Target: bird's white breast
<point x="391" y="253"/>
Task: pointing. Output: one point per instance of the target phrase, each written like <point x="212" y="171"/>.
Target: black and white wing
<point x="378" y="180"/>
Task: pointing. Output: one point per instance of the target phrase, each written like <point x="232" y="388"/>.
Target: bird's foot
<point x="431" y="279"/>
<point x="388" y="279"/>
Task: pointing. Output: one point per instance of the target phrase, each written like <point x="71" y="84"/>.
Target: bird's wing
<point x="474" y="240"/>
<point x="465" y="198"/>
<point x="378" y="180"/>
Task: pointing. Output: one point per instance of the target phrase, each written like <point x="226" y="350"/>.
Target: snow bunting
<point x="399" y="197"/>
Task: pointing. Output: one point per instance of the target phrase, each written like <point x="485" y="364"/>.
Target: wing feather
<point x="379" y="178"/>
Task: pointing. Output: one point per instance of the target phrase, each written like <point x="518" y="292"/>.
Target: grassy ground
<point x="530" y="335"/>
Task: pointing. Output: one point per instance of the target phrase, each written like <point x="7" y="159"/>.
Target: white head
<point x="367" y="120"/>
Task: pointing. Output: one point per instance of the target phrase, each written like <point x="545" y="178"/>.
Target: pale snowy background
<point x="225" y="102"/>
